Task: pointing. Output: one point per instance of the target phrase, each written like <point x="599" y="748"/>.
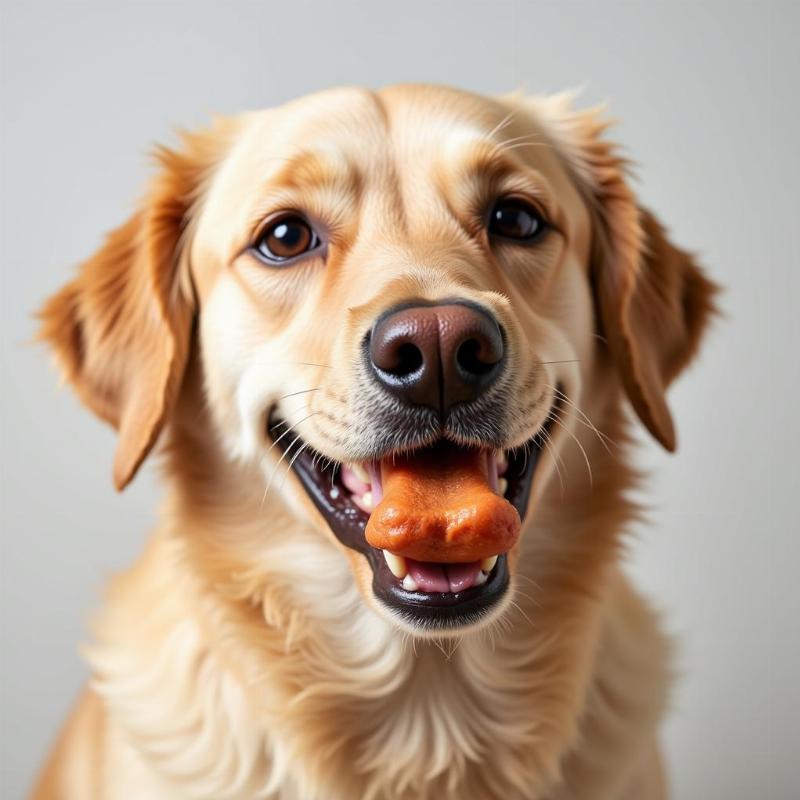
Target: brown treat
<point x="438" y="506"/>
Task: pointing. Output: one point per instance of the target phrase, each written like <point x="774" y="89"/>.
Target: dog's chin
<point x="423" y="598"/>
<point x="440" y="615"/>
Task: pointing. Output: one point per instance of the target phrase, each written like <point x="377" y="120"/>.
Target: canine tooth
<point x="502" y="485"/>
<point x="480" y="579"/>
<point x="409" y="584"/>
<point x="366" y="500"/>
<point x="361" y="473"/>
<point x="502" y="461"/>
<point x="487" y="565"/>
<point x="397" y="565"/>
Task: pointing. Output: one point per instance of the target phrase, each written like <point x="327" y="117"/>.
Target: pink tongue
<point x="462" y="576"/>
<point x="431" y="577"/>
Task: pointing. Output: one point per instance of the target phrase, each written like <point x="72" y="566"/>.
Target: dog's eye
<point x="285" y="239"/>
<point x="517" y="220"/>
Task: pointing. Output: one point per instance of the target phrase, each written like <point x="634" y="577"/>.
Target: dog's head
<point x="407" y="296"/>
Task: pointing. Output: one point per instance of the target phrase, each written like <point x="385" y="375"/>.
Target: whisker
<point x="526" y="452"/>
<point x="263" y="497"/>
<point x="604" y="439"/>
<point x="528" y="138"/>
<point x="271" y="362"/>
<point x="530" y="580"/>
<point x="504" y="123"/>
<point x="438" y="643"/>
<point x="518" y="591"/>
<point x="548" y="444"/>
<point x="280" y="460"/>
<point x="302" y="391"/>
<point x="506" y="142"/>
<point x="525" y="144"/>
<point x="291" y="462"/>
<point x="578" y="442"/>
<point x="283" y="455"/>
<point x="519" y="610"/>
<point x="288" y="430"/>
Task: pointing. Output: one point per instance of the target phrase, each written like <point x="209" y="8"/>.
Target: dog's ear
<point x="121" y="329"/>
<point x="654" y="304"/>
<point x="652" y="298"/>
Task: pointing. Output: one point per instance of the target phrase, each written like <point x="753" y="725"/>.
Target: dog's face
<point x="402" y="298"/>
<point x="385" y="275"/>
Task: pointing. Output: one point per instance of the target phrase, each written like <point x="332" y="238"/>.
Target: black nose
<point x="437" y="356"/>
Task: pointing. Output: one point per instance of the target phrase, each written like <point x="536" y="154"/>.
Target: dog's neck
<point x="260" y="640"/>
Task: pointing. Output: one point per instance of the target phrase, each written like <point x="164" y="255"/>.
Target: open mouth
<point x="429" y="569"/>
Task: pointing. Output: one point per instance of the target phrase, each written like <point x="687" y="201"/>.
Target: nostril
<point x="472" y="359"/>
<point x="408" y="359"/>
<point x="436" y="355"/>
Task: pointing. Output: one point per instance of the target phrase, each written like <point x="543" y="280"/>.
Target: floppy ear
<point x="121" y="329"/>
<point x="653" y="300"/>
<point x="654" y="304"/>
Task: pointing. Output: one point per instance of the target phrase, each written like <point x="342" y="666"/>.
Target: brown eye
<point x="517" y="220"/>
<point x="286" y="239"/>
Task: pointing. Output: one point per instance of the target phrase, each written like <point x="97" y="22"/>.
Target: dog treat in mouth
<point x="439" y="505"/>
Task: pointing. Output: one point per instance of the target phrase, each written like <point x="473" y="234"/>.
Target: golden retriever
<point x="384" y="340"/>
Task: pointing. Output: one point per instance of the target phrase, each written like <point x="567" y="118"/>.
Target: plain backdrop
<point x="706" y="95"/>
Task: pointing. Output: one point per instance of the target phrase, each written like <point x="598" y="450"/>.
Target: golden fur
<point x="244" y="654"/>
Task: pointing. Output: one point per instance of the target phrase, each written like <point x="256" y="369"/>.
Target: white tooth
<point x="366" y="500"/>
<point x="409" y="584"/>
<point x="502" y="461"/>
<point x="487" y="565"/>
<point x="502" y="486"/>
<point x="481" y="578"/>
<point x="397" y="564"/>
<point x="361" y="473"/>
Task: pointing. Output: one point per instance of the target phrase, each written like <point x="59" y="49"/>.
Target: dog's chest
<point x="395" y="725"/>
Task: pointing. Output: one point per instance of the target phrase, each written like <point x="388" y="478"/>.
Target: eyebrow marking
<point x="316" y="168"/>
<point x="323" y="182"/>
<point x="488" y="163"/>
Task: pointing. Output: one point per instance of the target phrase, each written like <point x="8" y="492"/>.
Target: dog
<point x="386" y="343"/>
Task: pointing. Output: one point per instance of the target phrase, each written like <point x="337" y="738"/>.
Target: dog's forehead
<point x="336" y="121"/>
<point x="352" y="127"/>
<point x="402" y="146"/>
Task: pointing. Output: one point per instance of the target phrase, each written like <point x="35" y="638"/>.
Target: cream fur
<point x="244" y="656"/>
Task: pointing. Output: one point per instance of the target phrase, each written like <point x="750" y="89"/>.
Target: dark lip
<point x="429" y="610"/>
<point x="438" y="610"/>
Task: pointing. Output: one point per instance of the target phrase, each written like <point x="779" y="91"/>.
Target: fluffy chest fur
<point x="254" y="680"/>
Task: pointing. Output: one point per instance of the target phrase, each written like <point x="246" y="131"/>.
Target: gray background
<point x="707" y="97"/>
